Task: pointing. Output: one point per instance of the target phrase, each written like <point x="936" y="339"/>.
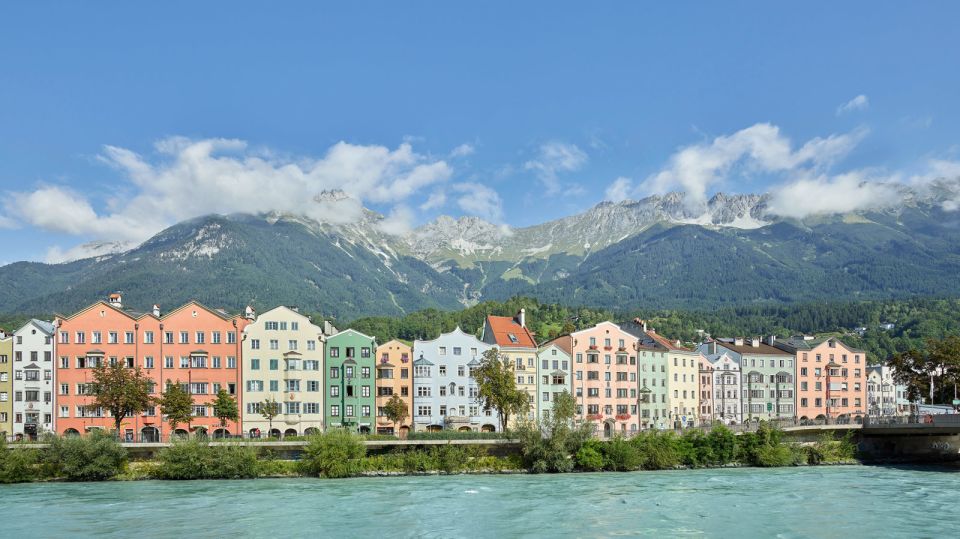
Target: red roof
<point x="665" y="342"/>
<point x="505" y="326"/>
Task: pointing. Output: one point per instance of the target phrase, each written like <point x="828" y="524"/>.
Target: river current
<point x="843" y="502"/>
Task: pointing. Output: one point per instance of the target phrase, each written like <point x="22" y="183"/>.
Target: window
<point x="292" y="344"/>
<point x="271" y="326"/>
<point x="335" y="411"/>
<point x="311" y="408"/>
<point x="442" y="350"/>
<point x="215" y="362"/>
<point x="147" y="337"/>
<point x="199" y="410"/>
<point x="274" y="344"/>
<point x="365" y="351"/>
<point x="292" y="407"/>
<point x="457" y="350"/>
<point x="334" y="372"/>
<point x="112" y="337"/>
<point x="168" y="362"/>
<point x="274" y="364"/>
<point x="365" y="410"/>
<point x="254" y="385"/>
<point x="364" y="372"/>
<point x="254" y="344"/>
<point x="349" y="410"/>
<point x="365" y="391"/>
<point x="334" y="351"/>
<point x="200" y="338"/>
<point x="293" y="385"/>
<point x="128" y="337"/>
<point x="313" y="385"/>
<point x="198" y="362"/>
<point x="334" y="391"/>
<point x="423" y="391"/>
<point x="274" y="385"/>
<point x="168" y="337"/>
<point x="442" y="370"/>
<point x="231" y="362"/>
<point x="215" y="337"/>
<point x="184" y="337"/>
<point x="295" y="326"/>
<point x="424" y="411"/>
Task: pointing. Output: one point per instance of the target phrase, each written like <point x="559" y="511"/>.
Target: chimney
<point x="115" y="300"/>
<point x="738" y="341"/>
<point x="522" y="317"/>
<point x="295" y="309"/>
<point x="755" y="342"/>
<point x="641" y="323"/>
<point x="772" y="340"/>
<point x="712" y="347"/>
<point x="249" y="313"/>
<point x="156" y="310"/>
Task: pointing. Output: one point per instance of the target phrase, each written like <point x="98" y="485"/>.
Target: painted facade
<point x="885" y="397"/>
<point x="6" y="385"/>
<point x="605" y="378"/>
<point x="769" y="377"/>
<point x="518" y="347"/>
<point x="554" y="376"/>
<point x="33" y="379"/>
<point x="193" y="345"/>
<point x="832" y="379"/>
<point x="445" y="395"/>
<point x="652" y="373"/>
<point x="720" y="396"/>
<point x="349" y="376"/>
<point x="282" y="361"/>
<point x="394" y="377"/>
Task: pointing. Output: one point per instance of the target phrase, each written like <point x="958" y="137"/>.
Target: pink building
<point x="605" y="377"/>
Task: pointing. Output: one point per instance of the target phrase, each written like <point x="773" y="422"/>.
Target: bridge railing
<point x="913" y="420"/>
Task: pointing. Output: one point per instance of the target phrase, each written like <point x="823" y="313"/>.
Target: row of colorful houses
<point x="624" y="377"/>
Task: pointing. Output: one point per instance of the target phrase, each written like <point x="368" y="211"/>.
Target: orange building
<point x="394" y="377"/>
<point x="831" y="379"/>
<point x="193" y="345"/>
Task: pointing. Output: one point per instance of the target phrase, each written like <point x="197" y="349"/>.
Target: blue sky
<point x="515" y="112"/>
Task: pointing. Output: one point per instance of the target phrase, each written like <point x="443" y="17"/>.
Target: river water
<point x="842" y="501"/>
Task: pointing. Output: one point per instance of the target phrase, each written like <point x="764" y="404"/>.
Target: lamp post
<point x="645" y="398"/>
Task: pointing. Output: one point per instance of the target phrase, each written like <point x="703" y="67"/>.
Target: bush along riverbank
<point x="550" y="447"/>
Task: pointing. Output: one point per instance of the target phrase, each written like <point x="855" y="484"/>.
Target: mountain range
<point x="659" y="252"/>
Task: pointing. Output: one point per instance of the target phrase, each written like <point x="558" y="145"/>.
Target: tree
<point x="269" y="409"/>
<point x="395" y="410"/>
<point x="916" y="369"/>
<point x="177" y="405"/>
<point x="120" y="390"/>
<point x="498" y="387"/>
<point x="225" y="408"/>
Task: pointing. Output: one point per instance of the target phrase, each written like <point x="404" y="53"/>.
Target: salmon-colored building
<point x="394" y="377"/>
<point x="831" y="379"/>
<point x="193" y="345"/>
<point x="605" y="377"/>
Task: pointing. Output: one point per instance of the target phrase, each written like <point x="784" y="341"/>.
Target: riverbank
<point x="99" y="457"/>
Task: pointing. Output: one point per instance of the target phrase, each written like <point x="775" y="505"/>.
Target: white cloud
<point x="398" y="222"/>
<point x="818" y="195"/>
<point x="761" y="148"/>
<point x="619" y="190"/>
<point x="463" y="150"/>
<point x="436" y="200"/>
<point x="480" y="200"/>
<point x="554" y="158"/>
<point x="189" y="178"/>
<point x="861" y="102"/>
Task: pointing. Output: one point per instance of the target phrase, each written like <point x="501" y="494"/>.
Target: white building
<point x="445" y="395"/>
<point x="554" y="377"/>
<point x="884" y="396"/>
<point x="33" y="379"/>
<point x="720" y="397"/>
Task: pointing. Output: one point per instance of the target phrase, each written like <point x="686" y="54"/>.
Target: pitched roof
<point x="562" y="342"/>
<point x="509" y="334"/>
<point x="747" y="349"/>
<point x="795" y="343"/>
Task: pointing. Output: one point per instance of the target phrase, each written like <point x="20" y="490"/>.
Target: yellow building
<point x="517" y="347"/>
<point x="6" y="385"/>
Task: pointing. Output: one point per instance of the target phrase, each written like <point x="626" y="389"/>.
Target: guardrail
<point x="913" y="421"/>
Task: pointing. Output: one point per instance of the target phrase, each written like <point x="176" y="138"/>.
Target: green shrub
<point x="658" y="450"/>
<point x="621" y="456"/>
<point x="774" y="455"/>
<point x="197" y="459"/>
<point x="95" y="457"/>
<point x="590" y="457"/>
<point x="457" y="435"/>
<point x="333" y="454"/>
<point x="18" y="464"/>
<point x="277" y="468"/>
<point x="449" y="458"/>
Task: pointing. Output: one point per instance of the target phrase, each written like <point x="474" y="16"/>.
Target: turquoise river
<point x="842" y="501"/>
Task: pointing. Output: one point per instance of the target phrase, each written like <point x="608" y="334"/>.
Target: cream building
<point x="283" y="361"/>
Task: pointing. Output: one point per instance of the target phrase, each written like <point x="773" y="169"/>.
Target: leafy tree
<point x="395" y="410"/>
<point x="225" y="408"/>
<point x="177" y="405"/>
<point x="120" y="390"/>
<point x="548" y="446"/>
<point x="334" y="454"/>
<point x="916" y="368"/>
<point x="269" y="409"/>
<point x="498" y="387"/>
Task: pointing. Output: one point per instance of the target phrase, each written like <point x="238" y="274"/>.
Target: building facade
<point x="282" y="361"/>
<point x="33" y="379"/>
<point x="653" y="358"/>
<point x="349" y="378"/>
<point x="554" y="376"/>
<point x="720" y="379"/>
<point x="605" y="378"/>
<point x="885" y="397"/>
<point x="445" y="394"/>
<point x="769" y="377"/>
<point x="518" y="347"/>
<point x="6" y="385"/>
<point x="193" y="346"/>
<point x="831" y="378"/>
<point x="394" y="377"/>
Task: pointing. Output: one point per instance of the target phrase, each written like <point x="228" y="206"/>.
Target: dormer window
<point x="513" y="338"/>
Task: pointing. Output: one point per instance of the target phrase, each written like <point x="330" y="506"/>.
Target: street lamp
<point x="645" y="398"/>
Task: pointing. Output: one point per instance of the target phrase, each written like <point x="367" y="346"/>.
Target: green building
<point x="350" y="399"/>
